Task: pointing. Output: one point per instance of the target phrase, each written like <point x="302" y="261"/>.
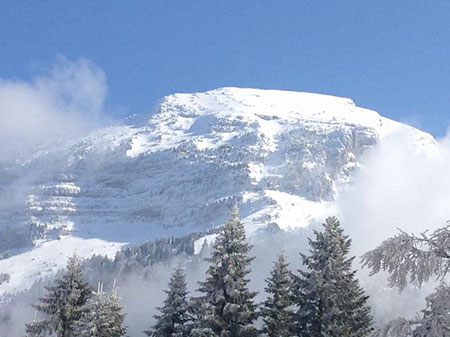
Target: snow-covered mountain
<point x="283" y="156"/>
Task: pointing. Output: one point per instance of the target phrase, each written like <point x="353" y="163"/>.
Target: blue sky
<point x="391" y="56"/>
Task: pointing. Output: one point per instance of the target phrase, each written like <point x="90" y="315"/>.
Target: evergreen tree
<point x="101" y="316"/>
<point x="276" y="310"/>
<point x="227" y="308"/>
<point x="328" y="296"/>
<point x="175" y="317"/>
<point x="63" y="304"/>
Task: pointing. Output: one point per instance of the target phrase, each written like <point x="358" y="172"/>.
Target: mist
<point x="65" y="100"/>
<point x="400" y="186"/>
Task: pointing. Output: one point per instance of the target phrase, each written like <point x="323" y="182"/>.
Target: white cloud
<point x="398" y="187"/>
<point x="65" y="101"/>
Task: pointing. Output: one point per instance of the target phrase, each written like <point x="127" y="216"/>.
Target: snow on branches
<point x="407" y="255"/>
<point x="411" y="258"/>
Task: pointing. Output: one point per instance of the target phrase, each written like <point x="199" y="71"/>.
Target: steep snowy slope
<point x="281" y="155"/>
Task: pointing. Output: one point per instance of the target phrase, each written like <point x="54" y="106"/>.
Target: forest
<point x="322" y="298"/>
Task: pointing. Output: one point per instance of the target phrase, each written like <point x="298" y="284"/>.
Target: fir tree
<point x="63" y="304"/>
<point x="101" y="316"/>
<point x="328" y="296"/>
<point x="276" y="310"/>
<point x="175" y="317"/>
<point x="117" y="317"/>
<point x="227" y="308"/>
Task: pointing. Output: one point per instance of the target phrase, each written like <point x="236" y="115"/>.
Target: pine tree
<point x="63" y="304"/>
<point x="227" y="308"/>
<point x="328" y="296"/>
<point x="276" y="310"/>
<point x="175" y="317"/>
<point x="101" y="316"/>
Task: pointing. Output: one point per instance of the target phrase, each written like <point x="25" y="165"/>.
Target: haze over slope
<point x="283" y="156"/>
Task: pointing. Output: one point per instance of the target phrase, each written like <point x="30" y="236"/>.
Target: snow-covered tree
<point x="63" y="304"/>
<point x="277" y="310"/>
<point x="407" y="257"/>
<point x="174" y="317"/>
<point x="329" y="299"/>
<point x="101" y="316"/>
<point x="226" y="307"/>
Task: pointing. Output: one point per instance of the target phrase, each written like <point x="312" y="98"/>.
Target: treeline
<point x="138" y="259"/>
<point x="322" y="299"/>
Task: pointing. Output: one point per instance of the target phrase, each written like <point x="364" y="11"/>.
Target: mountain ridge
<point x="283" y="156"/>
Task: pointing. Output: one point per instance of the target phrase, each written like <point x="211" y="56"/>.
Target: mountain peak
<point x="221" y="116"/>
<point x="258" y="101"/>
<point x="281" y="155"/>
<point x="255" y="105"/>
